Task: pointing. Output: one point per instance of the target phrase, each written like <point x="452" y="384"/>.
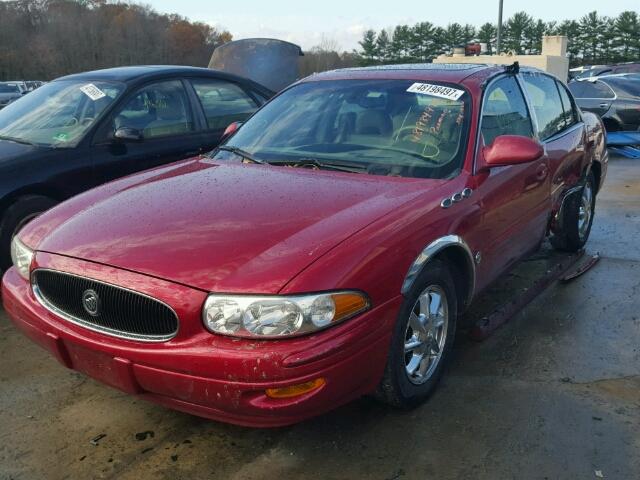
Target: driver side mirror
<point x="127" y="134"/>
<point x="230" y="130"/>
<point x="512" y="150"/>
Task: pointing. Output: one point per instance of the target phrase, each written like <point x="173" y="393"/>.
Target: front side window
<point x="59" y="113"/>
<point x="545" y="101"/>
<point x="504" y="111"/>
<point x="382" y="127"/>
<point x="157" y="110"/>
<point x="223" y="102"/>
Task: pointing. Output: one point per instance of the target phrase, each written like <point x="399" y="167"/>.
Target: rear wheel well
<point x="462" y="271"/>
<point x="611" y="125"/>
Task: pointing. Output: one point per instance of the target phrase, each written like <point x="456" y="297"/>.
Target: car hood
<point x="12" y="151"/>
<point x="223" y="228"/>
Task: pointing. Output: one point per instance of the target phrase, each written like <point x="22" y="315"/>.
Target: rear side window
<point x="223" y="102"/>
<point x="570" y="111"/>
<point x="630" y="86"/>
<point x="545" y="100"/>
<point x="585" y="89"/>
<point x="505" y="111"/>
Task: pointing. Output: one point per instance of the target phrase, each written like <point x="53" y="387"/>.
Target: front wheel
<point x="577" y="219"/>
<point x="422" y="339"/>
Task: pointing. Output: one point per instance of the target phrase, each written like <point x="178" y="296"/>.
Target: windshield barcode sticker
<point x="93" y="92"/>
<point x="436" y="91"/>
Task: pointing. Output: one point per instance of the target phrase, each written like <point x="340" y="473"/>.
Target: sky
<point x="344" y="21"/>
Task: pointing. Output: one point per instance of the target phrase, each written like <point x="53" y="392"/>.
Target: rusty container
<point x="270" y="62"/>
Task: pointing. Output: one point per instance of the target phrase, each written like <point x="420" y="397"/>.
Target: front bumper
<point x="212" y="376"/>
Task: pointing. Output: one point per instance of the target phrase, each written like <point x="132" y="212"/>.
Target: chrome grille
<point x="103" y="307"/>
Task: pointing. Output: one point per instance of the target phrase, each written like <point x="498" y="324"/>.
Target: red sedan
<point x="323" y="253"/>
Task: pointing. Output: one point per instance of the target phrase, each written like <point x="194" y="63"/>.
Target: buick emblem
<point x="91" y="302"/>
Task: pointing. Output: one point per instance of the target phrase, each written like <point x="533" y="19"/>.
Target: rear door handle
<point x="604" y="105"/>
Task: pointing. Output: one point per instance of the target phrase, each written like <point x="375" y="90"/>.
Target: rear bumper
<point x="216" y="377"/>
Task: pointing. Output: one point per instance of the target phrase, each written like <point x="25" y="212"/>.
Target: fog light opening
<point x="295" y="390"/>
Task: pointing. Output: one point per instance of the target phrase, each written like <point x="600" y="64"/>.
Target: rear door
<point x="163" y="114"/>
<point x="221" y="102"/>
<point x="593" y="96"/>
<point x="559" y="128"/>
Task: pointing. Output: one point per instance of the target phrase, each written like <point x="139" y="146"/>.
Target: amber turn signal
<point x="295" y="390"/>
<point x="348" y="305"/>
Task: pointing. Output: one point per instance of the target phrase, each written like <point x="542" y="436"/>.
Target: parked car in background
<point x="86" y="129"/>
<point x="22" y="86"/>
<point x="615" y="98"/>
<point x="598" y="70"/>
<point x="323" y="252"/>
<point x="8" y="93"/>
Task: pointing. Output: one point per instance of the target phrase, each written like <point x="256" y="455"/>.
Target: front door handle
<point x="604" y="105"/>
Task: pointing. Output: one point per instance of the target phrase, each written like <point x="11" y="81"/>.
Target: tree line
<point x="592" y="39"/>
<point x="44" y="39"/>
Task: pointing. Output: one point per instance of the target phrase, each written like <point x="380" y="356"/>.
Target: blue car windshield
<point x="59" y="113"/>
<point x="383" y="127"/>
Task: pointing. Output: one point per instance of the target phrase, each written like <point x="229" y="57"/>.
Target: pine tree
<point x="591" y="28"/>
<point x="369" y="51"/>
<point x="383" y="47"/>
<point x="515" y="29"/>
<point x="627" y="34"/>
<point x="487" y="34"/>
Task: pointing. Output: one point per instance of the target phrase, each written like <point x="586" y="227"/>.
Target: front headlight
<point x="21" y="255"/>
<point x="279" y="316"/>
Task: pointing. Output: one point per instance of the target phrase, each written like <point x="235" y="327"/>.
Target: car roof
<point x="444" y="72"/>
<point x="134" y="74"/>
<point x="448" y="72"/>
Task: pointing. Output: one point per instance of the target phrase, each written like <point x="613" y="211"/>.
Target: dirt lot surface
<point x="553" y="394"/>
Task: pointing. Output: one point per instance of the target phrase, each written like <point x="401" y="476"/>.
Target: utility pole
<point x="499" y="39"/>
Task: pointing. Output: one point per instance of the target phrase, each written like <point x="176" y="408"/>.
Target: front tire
<point x="577" y="218"/>
<point x="17" y="216"/>
<point x="422" y="339"/>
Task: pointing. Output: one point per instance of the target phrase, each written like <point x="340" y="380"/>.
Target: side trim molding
<point x="432" y="249"/>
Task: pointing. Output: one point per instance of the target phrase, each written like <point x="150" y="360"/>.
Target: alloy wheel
<point x="585" y="210"/>
<point x="426" y="334"/>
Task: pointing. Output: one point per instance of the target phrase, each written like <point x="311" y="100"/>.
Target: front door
<point x="514" y="199"/>
<point x="161" y="113"/>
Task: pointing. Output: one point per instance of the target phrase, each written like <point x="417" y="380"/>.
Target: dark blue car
<point x="83" y="130"/>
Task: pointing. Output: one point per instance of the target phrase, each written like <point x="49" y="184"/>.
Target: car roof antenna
<point x="513" y="69"/>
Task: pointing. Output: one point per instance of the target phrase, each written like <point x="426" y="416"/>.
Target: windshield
<point x="57" y="114"/>
<point x="384" y="127"/>
<point x="6" y="88"/>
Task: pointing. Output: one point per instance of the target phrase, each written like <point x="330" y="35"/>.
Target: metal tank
<point x="270" y="62"/>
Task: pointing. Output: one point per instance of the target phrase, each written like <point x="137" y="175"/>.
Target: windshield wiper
<point x="241" y="153"/>
<point x="17" y="140"/>
<point x="320" y="164"/>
